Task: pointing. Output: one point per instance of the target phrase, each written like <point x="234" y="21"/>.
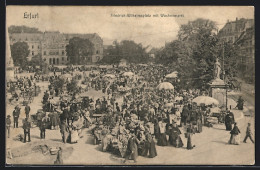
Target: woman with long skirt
<point x="156" y="129"/>
<point x="174" y="136"/>
<point x="235" y="135"/>
<point x="189" y="137"/>
<point x="162" y="141"/>
<point x="151" y="146"/>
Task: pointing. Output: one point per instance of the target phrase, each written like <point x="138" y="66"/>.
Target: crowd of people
<point x="131" y="118"/>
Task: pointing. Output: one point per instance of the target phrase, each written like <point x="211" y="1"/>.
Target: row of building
<point x="241" y="33"/>
<point x="51" y="45"/>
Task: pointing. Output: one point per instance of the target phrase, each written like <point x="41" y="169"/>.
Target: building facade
<point x="246" y="44"/>
<point x="241" y="33"/>
<point x="51" y="45"/>
<point x="233" y="29"/>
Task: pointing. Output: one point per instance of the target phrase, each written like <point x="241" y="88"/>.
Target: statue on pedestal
<point x="217" y="69"/>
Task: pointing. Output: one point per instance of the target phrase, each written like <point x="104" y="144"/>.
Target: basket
<point x="54" y="151"/>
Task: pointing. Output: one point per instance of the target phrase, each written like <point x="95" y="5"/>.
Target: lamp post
<point x="223" y="69"/>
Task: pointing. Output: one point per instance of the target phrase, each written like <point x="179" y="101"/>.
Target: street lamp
<point x="223" y="71"/>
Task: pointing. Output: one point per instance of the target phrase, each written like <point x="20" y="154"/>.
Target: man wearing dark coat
<point x="228" y="122"/>
<point x="65" y="115"/>
<point x="26" y="128"/>
<point x="16" y="114"/>
<point x="27" y="110"/>
<point x="132" y="149"/>
<point x="185" y="114"/>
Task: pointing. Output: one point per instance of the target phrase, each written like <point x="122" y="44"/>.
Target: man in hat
<point x="185" y="114"/>
<point x="248" y="134"/>
<point x="27" y="109"/>
<point x="8" y="124"/>
<point x="16" y="114"/>
<point x="26" y="128"/>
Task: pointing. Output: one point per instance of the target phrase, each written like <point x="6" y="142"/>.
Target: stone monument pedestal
<point x="218" y="90"/>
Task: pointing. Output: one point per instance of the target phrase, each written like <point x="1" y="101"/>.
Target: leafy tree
<point x="79" y="50"/>
<point x="20" y="29"/>
<point x="36" y="61"/>
<point x="72" y="86"/>
<point x="58" y="83"/>
<point x="20" y="52"/>
<point x="194" y="53"/>
<point x="126" y="49"/>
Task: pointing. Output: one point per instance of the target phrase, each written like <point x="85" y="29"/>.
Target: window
<point x="38" y="47"/>
<point x="58" y="61"/>
<point x="26" y="39"/>
<point x="44" y="52"/>
<point x="62" y="52"/>
<point x="57" y="53"/>
<point x="62" y="58"/>
<point x="32" y="52"/>
<point x="97" y="52"/>
<point x="50" y="60"/>
<point x="53" y="61"/>
<point x="32" y="46"/>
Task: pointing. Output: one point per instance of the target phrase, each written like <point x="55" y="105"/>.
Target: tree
<point x="72" y="87"/>
<point x="36" y="61"/>
<point x="194" y="53"/>
<point x="20" y="29"/>
<point x="58" y="83"/>
<point x="20" y="52"/>
<point x="79" y="51"/>
<point x="126" y="49"/>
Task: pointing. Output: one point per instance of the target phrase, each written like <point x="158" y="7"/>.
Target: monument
<point x="9" y="61"/>
<point x="218" y="88"/>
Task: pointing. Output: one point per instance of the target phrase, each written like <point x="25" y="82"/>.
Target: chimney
<point x="236" y="19"/>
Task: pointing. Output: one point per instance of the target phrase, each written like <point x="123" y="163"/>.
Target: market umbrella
<point x="172" y="75"/>
<point x="66" y="76"/>
<point x="205" y="100"/>
<point x="168" y="105"/>
<point x="128" y="74"/>
<point x="178" y="98"/>
<point x="166" y="86"/>
<point x="110" y="76"/>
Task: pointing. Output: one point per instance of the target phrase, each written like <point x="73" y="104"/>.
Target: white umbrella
<point x="168" y="105"/>
<point x="205" y="100"/>
<point x="129" y="74"/>
<point x="66" y="76"/>
<point x="166" y="86"/>
<point x="172" y="75"/>
<point x="178" y="98"/>
<point x="110" y="76"/>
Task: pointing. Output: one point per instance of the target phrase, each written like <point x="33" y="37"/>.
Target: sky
<point x="153" y="31"/>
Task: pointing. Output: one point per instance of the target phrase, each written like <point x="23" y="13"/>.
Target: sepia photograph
<point x="130" y="85"/>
